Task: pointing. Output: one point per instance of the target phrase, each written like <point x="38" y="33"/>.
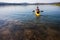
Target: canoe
<point x="37" y="13"/>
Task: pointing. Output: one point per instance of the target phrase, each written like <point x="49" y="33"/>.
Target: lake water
<point x="51" y="12"/>
<point x="22" y="15"/>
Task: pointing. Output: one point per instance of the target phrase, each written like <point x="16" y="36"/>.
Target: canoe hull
<point x="37" y="14"/>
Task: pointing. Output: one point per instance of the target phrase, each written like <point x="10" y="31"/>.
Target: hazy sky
<point x="30" y="1"/>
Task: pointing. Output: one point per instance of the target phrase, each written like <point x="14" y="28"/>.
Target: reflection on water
<point x="16" y="23"/>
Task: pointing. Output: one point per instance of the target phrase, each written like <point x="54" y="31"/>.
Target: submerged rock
<point x="16" y="30"/>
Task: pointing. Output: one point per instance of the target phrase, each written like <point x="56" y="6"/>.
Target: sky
<point x="30" y="1"/>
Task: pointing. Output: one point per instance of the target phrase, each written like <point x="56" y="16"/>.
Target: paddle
<point x="34" y="11"/>
<point x="41" y="11"/>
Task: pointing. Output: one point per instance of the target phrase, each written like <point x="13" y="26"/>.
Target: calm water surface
<point x="24" y="13"/>
<point x="20" y="23"/>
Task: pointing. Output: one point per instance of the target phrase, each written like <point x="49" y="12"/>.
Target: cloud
<point x="30" y="1"/>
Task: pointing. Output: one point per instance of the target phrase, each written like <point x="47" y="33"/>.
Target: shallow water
<point x="20" y="23"/>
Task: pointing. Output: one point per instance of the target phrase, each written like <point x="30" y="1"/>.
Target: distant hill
<point x="2" y="3"/>
<point x="45" y="3"/>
